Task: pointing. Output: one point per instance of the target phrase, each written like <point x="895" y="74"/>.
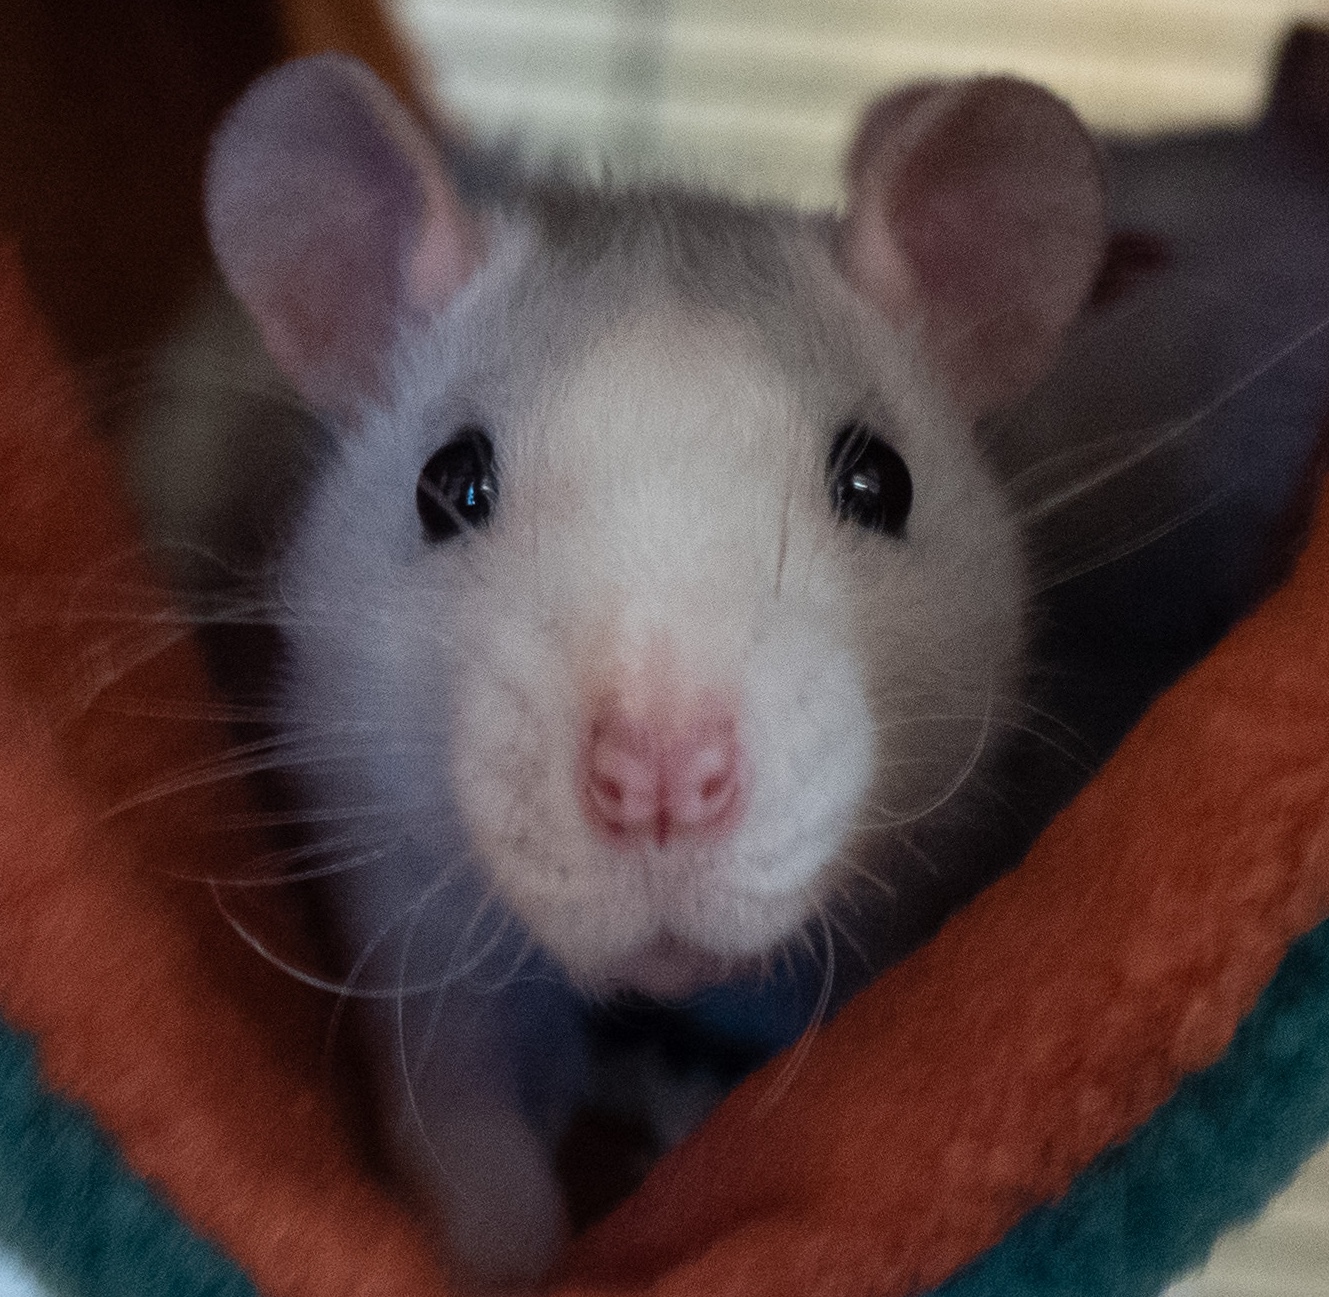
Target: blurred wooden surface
<point x="105" y="110"/>
<point x="105" y="114"/>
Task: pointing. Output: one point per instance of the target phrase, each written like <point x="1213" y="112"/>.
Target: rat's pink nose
<point x="645" y="778"/>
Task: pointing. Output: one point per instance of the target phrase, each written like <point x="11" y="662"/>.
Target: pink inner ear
<point x="976" y="208"/>
<point x="875" y="265"/>
<point x="449" y="251"/>
<point x="322" y="293"/>
<point x="873" y="260"/>
<point x="449" y="240"/>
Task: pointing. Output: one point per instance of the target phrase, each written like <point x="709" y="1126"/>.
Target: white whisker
<point x="780" y="1084"/>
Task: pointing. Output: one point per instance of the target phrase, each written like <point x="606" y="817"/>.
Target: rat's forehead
<point x="673" y="353"/>
<point x="663" y="380"/>
<point x="673" y="438"/>
<point x="627" y="329"/>
<point x="678" y="263"/>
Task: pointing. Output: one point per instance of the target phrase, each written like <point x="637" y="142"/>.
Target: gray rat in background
<point x="1163" y="469"/>
<point x="654" y="620"/>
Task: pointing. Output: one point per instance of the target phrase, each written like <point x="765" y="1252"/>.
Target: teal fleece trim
<point x="82" y="1221"/>
<point x="1231" y="1137"/>
<point x="1137" y="1218"/>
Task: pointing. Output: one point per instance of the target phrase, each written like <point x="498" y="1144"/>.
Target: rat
<point x="655" y="591"/>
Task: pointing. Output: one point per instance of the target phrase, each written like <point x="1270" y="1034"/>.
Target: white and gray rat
<point x="651" y="615"/>
<point x="656" y="591"/>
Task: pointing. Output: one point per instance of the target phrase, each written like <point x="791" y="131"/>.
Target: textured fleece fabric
<point x="68" y="1204"/>
<point x="197" y="1058"/>
<point x="1213" y="1155"/>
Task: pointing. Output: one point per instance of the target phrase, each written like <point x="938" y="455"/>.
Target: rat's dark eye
<point x="457" y="487"/>
<point x="869" y="482"/>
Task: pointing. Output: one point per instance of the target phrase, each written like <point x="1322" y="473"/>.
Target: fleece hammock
<point x="1110" y="1055"/>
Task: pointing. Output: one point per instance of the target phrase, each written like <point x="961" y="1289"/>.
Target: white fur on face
<point x="637" y="555"/>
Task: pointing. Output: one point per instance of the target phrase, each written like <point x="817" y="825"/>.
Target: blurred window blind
<point x="759" y="95"/>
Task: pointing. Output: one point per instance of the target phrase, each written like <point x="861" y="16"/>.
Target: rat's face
<point x="681" y="626"/>
<point x="658" y="587"/>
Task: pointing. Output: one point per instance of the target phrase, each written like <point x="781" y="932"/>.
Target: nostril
<point x="622" y="780"/>
<point x="701" y="777"/>
<point x="608" y="791"/>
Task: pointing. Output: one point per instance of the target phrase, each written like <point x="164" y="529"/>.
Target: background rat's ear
<point x="333" y="220"/>
<point x="976" y="210"/>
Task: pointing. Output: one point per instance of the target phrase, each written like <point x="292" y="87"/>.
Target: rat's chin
<point x="668" y="968"/>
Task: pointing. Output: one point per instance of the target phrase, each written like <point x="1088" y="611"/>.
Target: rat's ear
<point x="975" y="211"/>
<point x="333" y="220"/>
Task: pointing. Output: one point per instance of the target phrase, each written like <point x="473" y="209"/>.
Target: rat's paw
<point x="505" y="1215"/>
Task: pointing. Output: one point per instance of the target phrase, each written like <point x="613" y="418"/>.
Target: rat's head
<point x="659" y="580"/>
